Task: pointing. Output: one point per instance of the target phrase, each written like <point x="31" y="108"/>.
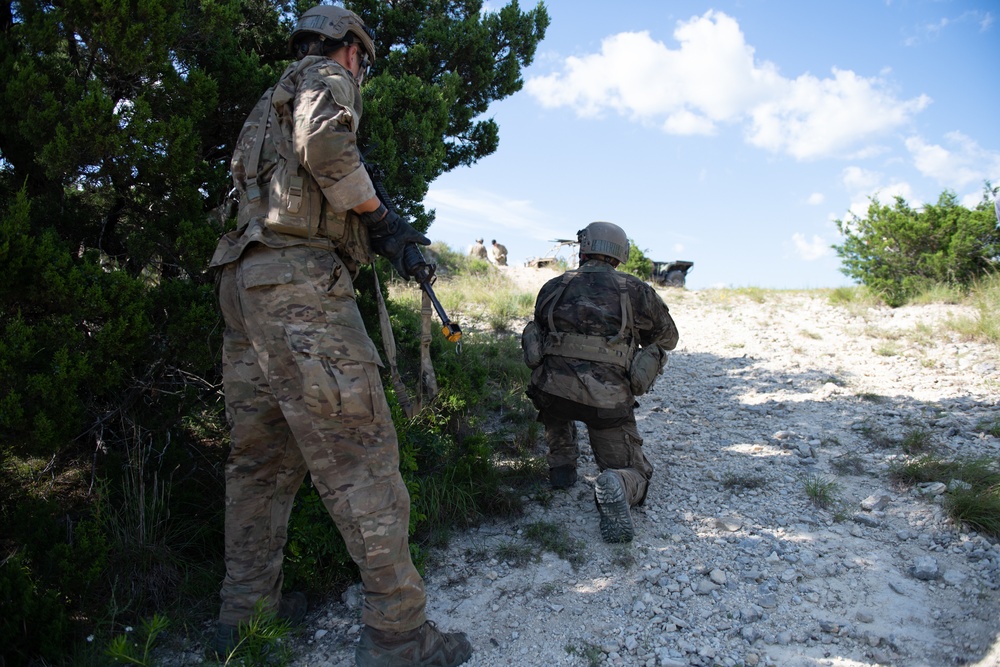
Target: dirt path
<point x="733" y="563"/>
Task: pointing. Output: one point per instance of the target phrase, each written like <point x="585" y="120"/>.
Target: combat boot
<point x="616" y="521"/>
<point x="292" y="609"/>
<point x="425" y="646"/>
<point x="562" y="477"/>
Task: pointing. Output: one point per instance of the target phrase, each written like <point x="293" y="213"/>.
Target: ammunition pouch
<point x="294" y="202"/>
<point x="531" y="345"/>
<point x="645" y="367"/>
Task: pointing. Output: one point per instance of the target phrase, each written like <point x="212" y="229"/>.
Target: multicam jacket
<point x="297" y="167"/>
<point x="591" y="305"/>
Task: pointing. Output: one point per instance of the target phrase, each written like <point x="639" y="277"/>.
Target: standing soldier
<point x="499" y="254"/>
<point x="478" y="250"/>
<point x="598" y="339"/>
<point x="300" y="372"/>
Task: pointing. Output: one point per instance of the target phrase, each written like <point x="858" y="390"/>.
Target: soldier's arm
<point x="653" y="320"/>
<point x="325" y="138"/>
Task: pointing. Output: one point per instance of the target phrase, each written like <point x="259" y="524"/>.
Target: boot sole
<point x="616" y="520"/>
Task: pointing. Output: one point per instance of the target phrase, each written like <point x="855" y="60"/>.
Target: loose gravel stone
<point x="733" y="564"/>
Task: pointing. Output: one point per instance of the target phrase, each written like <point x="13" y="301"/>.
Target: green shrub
<point x="899" y="252"/>
<point x="638" y="264"/>
<point x="50" y="569"/>
<point x="316" y="558"/>
<point x="137" y="650"/>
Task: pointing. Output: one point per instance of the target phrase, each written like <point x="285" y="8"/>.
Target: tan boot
<point x="425" y="646"/>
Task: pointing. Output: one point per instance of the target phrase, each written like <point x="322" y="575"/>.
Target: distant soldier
<point x="499" y="254"/>
<point x="478" y="250"/>
<point x="598" y="339"/>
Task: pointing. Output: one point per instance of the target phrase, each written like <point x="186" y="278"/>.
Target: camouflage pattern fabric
<point x="318" y="106"/>
<point x="615" y="442"/>
<point x="302" y="386"/>
<point x="499" y="254"/>
<point x="591" y="305"/>
<point x="478" y="250"/>
<point x="566" y="390"/>
<point x="303" y="394"/>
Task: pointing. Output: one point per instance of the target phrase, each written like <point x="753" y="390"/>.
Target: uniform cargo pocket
<point x="339" y="378"/>
<point x="260" y="275"/>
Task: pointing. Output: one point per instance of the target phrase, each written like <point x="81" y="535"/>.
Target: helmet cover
<point x="332" y="22"/>
<point x="604" y="238"/>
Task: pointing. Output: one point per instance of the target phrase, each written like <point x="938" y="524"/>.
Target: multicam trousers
<point x="614" y="440"/>
<point x="303" y="394"/>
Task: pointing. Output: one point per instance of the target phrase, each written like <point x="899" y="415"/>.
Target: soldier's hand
<point x="390" y="236"/>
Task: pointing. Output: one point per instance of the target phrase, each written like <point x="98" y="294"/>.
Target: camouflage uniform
<point x="301" y="374"/>
<point x="566" y="390"/>
<point x="499" y="253"/>
<point x="478" y="251"/>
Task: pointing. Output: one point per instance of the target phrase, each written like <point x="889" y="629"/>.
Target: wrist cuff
<point x="374" y="217"/>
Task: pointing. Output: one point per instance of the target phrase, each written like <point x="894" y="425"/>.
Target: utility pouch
<point x="294" y="202"/>
<point x="646" y="366"/>
<point x="531" y="344"/>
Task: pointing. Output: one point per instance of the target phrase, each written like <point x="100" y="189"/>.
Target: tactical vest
<point x="618" y="349"/>
<point x="278" y="189"/>
<point x="641" y="365"/>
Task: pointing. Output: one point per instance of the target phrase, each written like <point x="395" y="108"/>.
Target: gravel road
<point x="733" y="562"/>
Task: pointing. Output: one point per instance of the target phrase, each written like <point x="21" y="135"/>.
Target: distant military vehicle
<point x="671" y="274"/>
<point x="553" y="257"/>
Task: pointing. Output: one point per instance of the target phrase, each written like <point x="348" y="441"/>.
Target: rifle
<point x="415" y="263"/>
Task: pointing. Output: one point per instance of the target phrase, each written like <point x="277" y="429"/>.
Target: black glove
<point x="390" y="236"/>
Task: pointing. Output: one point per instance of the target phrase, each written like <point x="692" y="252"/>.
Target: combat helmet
<point x="604" y="238"/>
<point x="332" y="22"/>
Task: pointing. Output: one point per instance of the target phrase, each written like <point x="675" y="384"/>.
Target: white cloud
<point x="713" y="78"/>
<point x="474" y="210"/>
<point x="810" y="250"/>
<point x="930" y="32"/>
<point x="863" y="184"/>
<point x="819" y="117"/>
<point x="685" y="122"/>
<point x="815" y="199"/>
<point x="678" y="248"/>
<point x="961" y="164"/>
<point x="856" y="178"/>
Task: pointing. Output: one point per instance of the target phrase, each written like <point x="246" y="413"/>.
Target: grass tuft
<point x="742" y="482"/>
<point x="848" y="464"/>
<point x="990" y="427"/>
<point x="916" y="440"/>
<point x="556" y="539"/>
<point x="984" y="325"/>
<point x="821" y="491"/>
<point x="975" y="501"/>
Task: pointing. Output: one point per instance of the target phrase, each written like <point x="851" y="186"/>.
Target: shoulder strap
<point x="628" y="318"/>
<point x="553" y="298"/>
<point x="253" y="187"/>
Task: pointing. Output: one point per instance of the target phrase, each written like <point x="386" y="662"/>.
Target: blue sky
<point x="733" y="134"/>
